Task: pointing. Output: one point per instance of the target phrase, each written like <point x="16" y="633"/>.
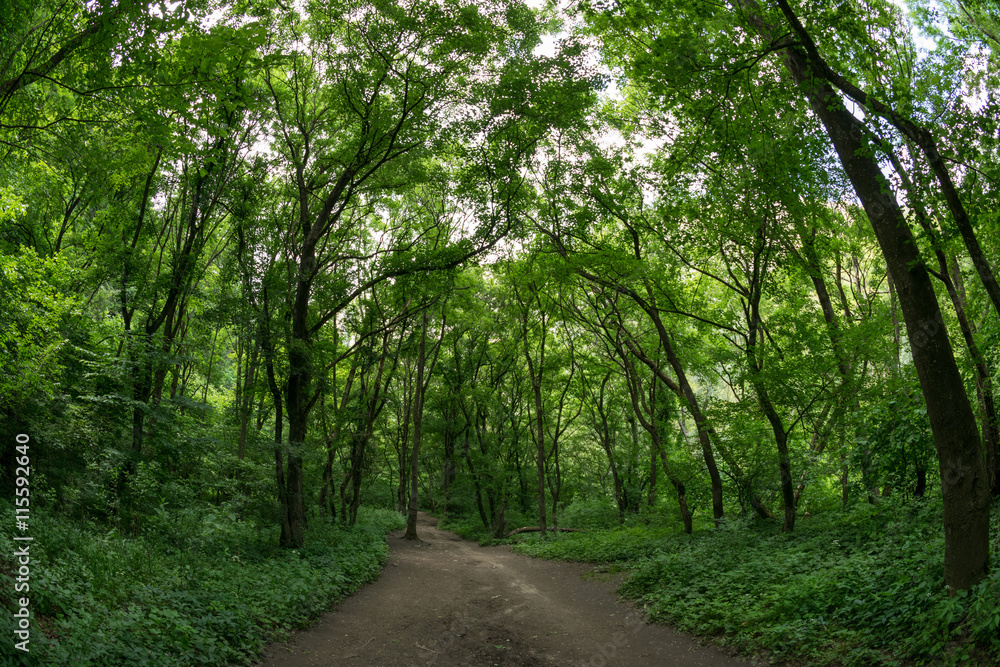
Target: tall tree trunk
<point x="964" y="481"/>
<point x="246" y="402"/>
<point x="536" y="370"/>
<point x="651" y="497"/>
<point x="208" y="375"/>
<point x="451" y="435"/>
<point x="684" y="390"/>
<point x="297" y="398"/>
<point x="602" y="428"/>
<point x="784" y="461"/>
<point x="951" y="277"/>
<point x="477" y="485"/>
<point x="418" y="420"/>
<point x="815" y="65"/>
<point x="756" y="366"/>
<point x="279" y="464"/>
<point x="420" y="392"/>
<point x="984" y="391"/>
<point x="652" y="413"/>
<point x="686" y="516"/>
<point x="812" y="263"/>
<point x="539" y="433"/>
<point x="404" y="443"/>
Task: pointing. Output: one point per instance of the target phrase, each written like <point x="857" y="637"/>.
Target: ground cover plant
<point x="862" y="587"/>
<point x="212" y="591"/>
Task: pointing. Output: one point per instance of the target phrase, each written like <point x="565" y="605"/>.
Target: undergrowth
<point x="856" y="589"/>
<point x="205" y="590"/>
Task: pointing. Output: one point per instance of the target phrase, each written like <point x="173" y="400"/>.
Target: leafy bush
<point x="470" y="526"/>
<point x="620" y="544"/>
<point x="598" y="512"/>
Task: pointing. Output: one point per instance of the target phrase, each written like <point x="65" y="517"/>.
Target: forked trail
<point x="449" y="602"/>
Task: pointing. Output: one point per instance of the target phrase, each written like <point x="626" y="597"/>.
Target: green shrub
<point x="620" y="544"/>
<point x="589" y="513"/>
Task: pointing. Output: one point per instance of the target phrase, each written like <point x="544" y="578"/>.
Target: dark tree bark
<point x="921" y="136"/>
<point x="245" y="385"/>
<point x="601" y="424"/>
<point x="984" y="391"/>
<point x="536" y="371"/>
<point x="964" y="480"/>
<point x="652" y="416"/>
<point x="951" y="276"/>
<point x="279" y="443"/>
<point x="420" y="393"/>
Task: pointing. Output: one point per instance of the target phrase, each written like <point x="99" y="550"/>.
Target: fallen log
<point x="538" y="529"/>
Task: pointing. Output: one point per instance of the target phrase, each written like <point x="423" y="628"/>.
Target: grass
<point x="205" y="589"/>
<point x="857" y="588"/>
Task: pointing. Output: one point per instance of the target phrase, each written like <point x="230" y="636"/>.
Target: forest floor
<point x="449" y="602"/>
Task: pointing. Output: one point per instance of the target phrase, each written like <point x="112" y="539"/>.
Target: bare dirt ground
<point x="448" y="602"/>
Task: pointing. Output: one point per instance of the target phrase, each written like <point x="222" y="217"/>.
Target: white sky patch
<point x="547" y="48"/>
<point x="923" y="43"/>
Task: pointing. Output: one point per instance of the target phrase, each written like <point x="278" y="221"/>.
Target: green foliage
<point x="856" y="588"/>
<point x="36" y="306"/>
<point x="616" y="545"/>
<point x="898" y="440"/>
<point x="204" y="589"/>
<point x="592" y="512"/>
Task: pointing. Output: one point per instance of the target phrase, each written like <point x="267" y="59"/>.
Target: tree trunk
<point x="418" y="420"/>
<point x="965" y="484"/>
<point x="297" y="399"/>
<point x="984" y="391"/>
<point x="402" y="492"/>
<point x="279" y="464"/>
<point x="420" y="392"/>
<point x="475" y="481"/>
<point x="784" y="461"/>
<point x="651" y="413"/>
<point x="245" y="401"/>
<point x="756" y="366"/>
<point x="535" y="372"/>
<point x="651" y="497"/>
<point x="539" y="417"/>
<point x="683" y="390"/>
<point x="951" y="275"/>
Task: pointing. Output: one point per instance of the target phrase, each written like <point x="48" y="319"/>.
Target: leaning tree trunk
<point x="951" y="276"/>
<point x="965" y="484"/>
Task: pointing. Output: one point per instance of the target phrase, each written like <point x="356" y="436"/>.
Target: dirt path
<point x="449" y="602"/>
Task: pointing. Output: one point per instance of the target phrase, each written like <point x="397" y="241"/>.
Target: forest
<point x="711" y="283"/>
